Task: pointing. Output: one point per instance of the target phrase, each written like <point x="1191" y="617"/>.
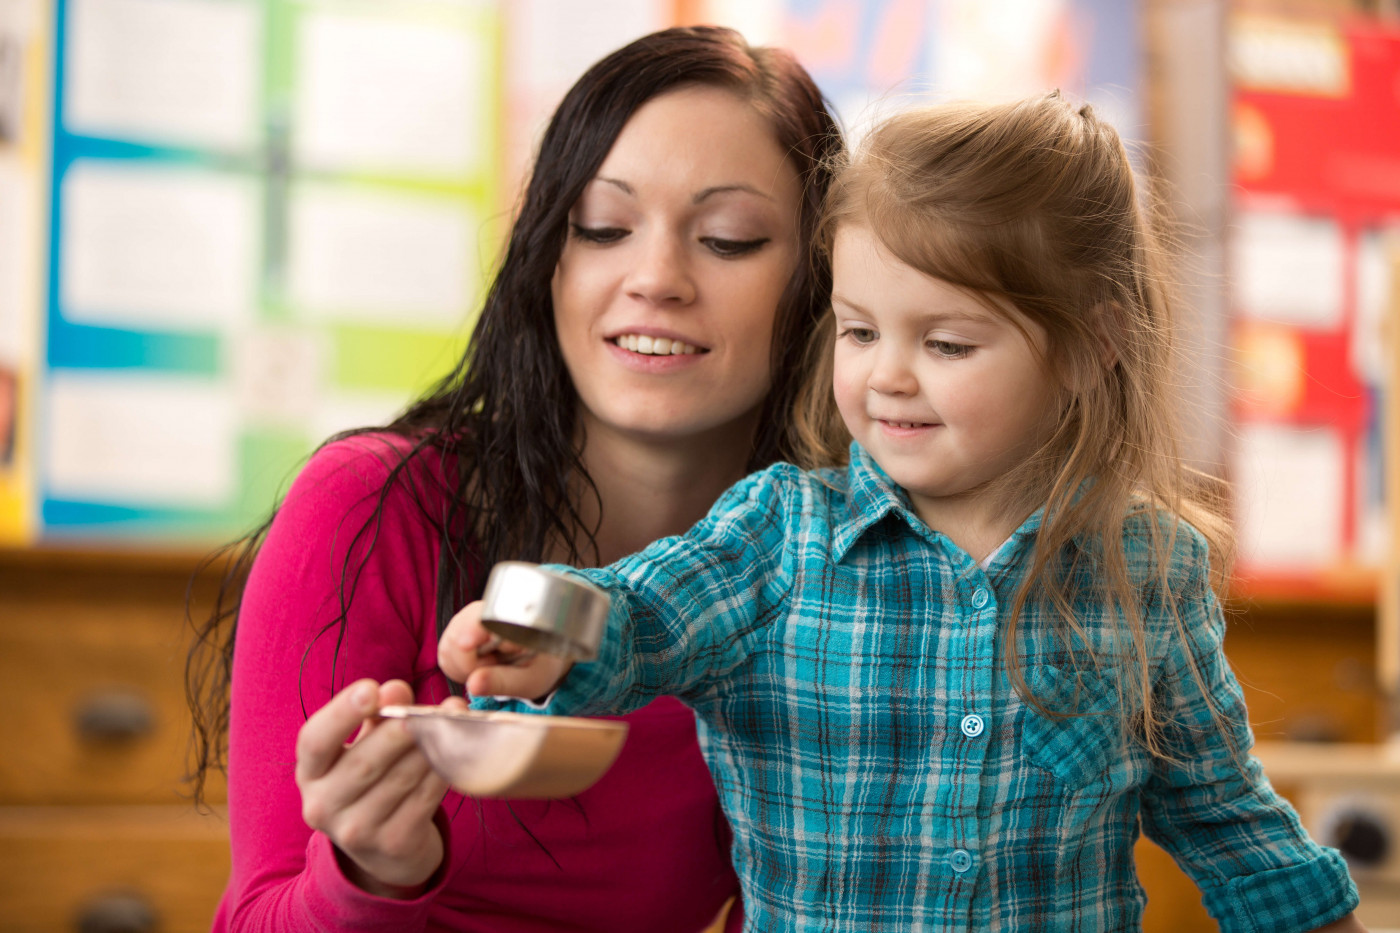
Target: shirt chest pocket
<point x="1083" y="747"/>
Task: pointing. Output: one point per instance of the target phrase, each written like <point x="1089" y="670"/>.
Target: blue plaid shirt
<point x="846" y="668"/>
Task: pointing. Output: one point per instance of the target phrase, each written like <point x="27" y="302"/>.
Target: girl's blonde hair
<point x="1035" y="203"/>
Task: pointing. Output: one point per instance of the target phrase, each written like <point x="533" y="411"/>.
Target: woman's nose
<point x="662" y="273"/>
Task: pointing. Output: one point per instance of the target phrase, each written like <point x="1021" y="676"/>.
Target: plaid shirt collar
<point x="872" y="498"/>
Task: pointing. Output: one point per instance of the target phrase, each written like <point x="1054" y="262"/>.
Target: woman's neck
<point x="649" y="490"/>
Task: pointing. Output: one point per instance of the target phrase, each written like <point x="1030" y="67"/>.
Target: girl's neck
<point x="974" y="523"/>
<point x="649" y="489"/>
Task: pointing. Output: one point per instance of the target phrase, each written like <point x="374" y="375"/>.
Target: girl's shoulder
<point x="783" y="481"/>
<point x="1162" y="546"/>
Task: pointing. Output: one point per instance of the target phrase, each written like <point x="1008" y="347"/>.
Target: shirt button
<point x="961" y="860"/>
<point x="980" y="598"/>
<point x="972" y="725"/>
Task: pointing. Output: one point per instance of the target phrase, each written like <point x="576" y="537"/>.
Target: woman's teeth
<point x="655" y="346"/>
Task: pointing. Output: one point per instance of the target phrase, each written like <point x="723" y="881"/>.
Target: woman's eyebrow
<point x="726" y="189"/>
<point x="700" y="196"/>
<point x="617" y="183"/>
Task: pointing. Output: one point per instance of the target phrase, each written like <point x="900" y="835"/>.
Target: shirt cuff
<point x="1294" y="899"/>
<point x="338" y="904"/>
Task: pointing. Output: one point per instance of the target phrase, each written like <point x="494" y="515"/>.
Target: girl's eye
<point x="949" y="351"/>
<point x="597" y="234"/>
<point x="729" y="249"/>
<point x="861" y="336"/>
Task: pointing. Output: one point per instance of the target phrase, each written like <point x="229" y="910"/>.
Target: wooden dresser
<point x="97" y="834"/>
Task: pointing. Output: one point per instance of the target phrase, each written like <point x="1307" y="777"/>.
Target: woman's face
<point x="677" y="254"/>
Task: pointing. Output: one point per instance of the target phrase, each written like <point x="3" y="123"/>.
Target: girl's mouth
<point x="656" y="346"/>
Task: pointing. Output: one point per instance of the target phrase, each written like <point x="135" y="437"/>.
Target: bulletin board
<point x="1316" y="123"/>
<point x="24" y="58"/>
<point x="872" y="58"/>
<point x="270" y="222"/>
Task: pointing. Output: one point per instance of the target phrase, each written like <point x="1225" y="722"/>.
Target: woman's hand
<point x="488" y="666"/>
<point x="374" y="797"/>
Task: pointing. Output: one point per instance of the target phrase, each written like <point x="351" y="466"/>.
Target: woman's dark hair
<point x="506" y="413"/>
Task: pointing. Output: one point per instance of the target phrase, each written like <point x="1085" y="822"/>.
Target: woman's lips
<point x="648" y="345"/>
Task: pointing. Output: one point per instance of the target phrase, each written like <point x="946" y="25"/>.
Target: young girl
<point x="943" y="687"/>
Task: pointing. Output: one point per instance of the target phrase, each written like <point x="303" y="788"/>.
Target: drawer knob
<point x="117" y="913"/>
<point x="115" y="716"/>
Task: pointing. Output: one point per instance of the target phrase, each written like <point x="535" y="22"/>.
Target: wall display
<point x="24" y="51"/>
<point x="270" y="221"/>
<point x="871" y="57"/>
<point x="1316" y="121"/>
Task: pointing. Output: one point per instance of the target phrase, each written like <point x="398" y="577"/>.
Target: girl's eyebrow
<point x="973" y="317"/>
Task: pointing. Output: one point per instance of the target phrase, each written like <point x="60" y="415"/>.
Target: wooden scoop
<point x="498" y="754"/>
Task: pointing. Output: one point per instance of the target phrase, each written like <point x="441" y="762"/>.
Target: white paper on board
<point x="1290" y="494"/>
<point x="177" y="72"/>
<point x="550" y="43"/>
<point x="1288" y="268"/>
<point x="341" y="410"/>
<point x="163" y="247"/>
<point x="140" y="439"/>
<point x="1377" y="254"/>
<point x="378" y="95"/>
<point x="277" y="374"/>
<point x="554" y="41"/>
<point x="357" y="254"/>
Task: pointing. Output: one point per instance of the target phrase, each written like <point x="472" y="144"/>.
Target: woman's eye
<point x="859" y="335"/>
<point x="949" y="351"/>
<point x="597" y="234"/>
<point x="728" y="249"/>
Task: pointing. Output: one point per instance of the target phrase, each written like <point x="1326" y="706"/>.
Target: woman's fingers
<point x="322" y="738"/>
<point x="374" y="798"/>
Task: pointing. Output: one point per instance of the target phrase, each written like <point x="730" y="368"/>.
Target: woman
<point x="639" y="351"/>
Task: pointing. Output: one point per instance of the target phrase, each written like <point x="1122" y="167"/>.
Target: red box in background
<point x="1316" y="124"/>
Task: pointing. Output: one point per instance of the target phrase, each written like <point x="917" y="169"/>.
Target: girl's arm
<point x="1210" y="805"/>
<point x="685" y="612"/>
<point x="1348" y="924"/>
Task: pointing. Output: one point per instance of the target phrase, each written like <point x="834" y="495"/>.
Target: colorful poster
<point x="871" y="57"/>
<point x="24" y="59"/>
<point x="271" y="220"/>
<point x="1316" y="126"/>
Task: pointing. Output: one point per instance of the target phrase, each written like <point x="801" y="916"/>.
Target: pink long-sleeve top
<point x="645" y="849"/>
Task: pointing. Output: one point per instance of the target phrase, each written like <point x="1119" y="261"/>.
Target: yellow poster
<point x="24" y="108"/>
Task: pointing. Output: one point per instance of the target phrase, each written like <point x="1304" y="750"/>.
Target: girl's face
<point x="945" y="394"/>
<point x="678" y="252"/>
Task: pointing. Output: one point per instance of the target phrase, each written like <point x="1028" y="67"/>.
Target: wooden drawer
<point x="94" y="656"/>
<point x="62" y="867"/>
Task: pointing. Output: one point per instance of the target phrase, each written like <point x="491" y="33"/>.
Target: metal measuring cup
<point x="543" y="611"/>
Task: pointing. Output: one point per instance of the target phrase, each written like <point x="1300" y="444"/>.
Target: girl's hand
<point x="374" y="797"/>
<point x="488" y="666"/>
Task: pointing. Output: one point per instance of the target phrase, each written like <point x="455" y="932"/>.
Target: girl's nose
<point x="662" y="272"/>
<point x="891" y="373"/>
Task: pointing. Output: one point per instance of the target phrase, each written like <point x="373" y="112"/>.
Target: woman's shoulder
<point x="353" y="466"/>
